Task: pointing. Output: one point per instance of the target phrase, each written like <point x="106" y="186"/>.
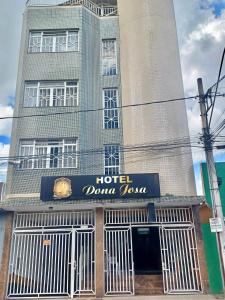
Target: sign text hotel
<point x="100" y="187"/>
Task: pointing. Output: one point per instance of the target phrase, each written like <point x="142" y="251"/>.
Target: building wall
<point x="5" y="241"/>
<point x="84" y="66"/>
<point x="150" y="71"/>
<point x="2" y="233"/>
<point x="210" y="244"/>
<point x="146" y="76"/>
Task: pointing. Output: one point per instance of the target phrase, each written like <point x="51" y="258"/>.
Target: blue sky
<point x="216" y="6"/>
<point x="201" y="34"/>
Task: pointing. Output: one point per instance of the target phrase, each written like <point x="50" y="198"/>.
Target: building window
<point x="44" y="94"/>
<point x="48" y="154"/>
<point x="110" y="100"/>
<point x="109" y="57"/>
<point x="53" y="41"/>
<point x="112" y="159"/>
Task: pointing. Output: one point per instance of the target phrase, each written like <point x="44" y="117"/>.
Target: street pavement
<point x="168" y="297"/>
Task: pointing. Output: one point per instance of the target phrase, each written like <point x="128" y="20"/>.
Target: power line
<point x="167" y="145"/>
<point x="100" y="109"/>
<point x="217" y="84"/>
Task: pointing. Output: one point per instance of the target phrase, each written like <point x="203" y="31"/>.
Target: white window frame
<point x="54" y="34"/>
<point x="32" y="160"/>
<point x="104" y="58"/>
<point x="110" y="167"/>
<point x="112" y="108"/>
<point x="51" y="86"/>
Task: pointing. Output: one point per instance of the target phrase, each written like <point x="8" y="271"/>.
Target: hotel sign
<point x="100" y="187"/>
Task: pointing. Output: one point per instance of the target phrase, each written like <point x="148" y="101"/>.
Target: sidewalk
<point x="168" y="297"/>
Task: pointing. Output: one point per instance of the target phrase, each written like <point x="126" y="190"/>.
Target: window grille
<point x="53" y="41"/>
<point x="111" y="117"/>
<point x="49" y="154"/>
<point x="109" y="59"/>
<point x="45" y="94"/>
<point x="112" y="159"/>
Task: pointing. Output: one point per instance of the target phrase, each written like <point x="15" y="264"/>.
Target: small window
<point x="111" y="115"/>
<point x="53" y="41"/>
<point x="45" y="94"/>
<point x="109" y="57"/>
<point x="112" y="159"/>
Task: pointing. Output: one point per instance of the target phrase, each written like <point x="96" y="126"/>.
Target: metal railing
<point x="140" y="216"/>
<point x="101" y="11"/>
<point x="54" y="219"/>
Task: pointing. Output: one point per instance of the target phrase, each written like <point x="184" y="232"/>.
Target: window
<point x="110" y="100"/>
<point x="109" y="60"/>
<point x="45" y="154"/>
<point x="53" y="41"/>
<point x="44" y="94"/>
<point x="112" y="159"/>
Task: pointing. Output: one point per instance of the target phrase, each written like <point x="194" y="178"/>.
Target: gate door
<point x="39" y="265"/>
<point x="180" y="264"/>
<point x="119" y="266"/>
<point x="83" y="261"/>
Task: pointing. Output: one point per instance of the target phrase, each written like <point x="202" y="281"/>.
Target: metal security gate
<point x="119" y="266"/>
<point x="179" y="255"/>
<point x="40" y="264"/>
<point x="180" y="264"/>
<point x="83" y="260"/>
<point x="52" y="255"/>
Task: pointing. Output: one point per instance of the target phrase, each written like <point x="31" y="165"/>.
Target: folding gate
<point x="180" y="264"/>
<point x="119" y="267"/>
<point x="55" y="260"/>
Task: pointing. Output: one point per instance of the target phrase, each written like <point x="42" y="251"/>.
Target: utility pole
<point x="213" y="182"/>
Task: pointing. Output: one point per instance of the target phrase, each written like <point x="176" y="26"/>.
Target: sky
<point x="201" y="35"/>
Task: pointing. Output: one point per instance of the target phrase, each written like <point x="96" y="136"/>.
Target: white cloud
<point x="10" y="32"/>
<point x="201" y="37"/>
<point x="6" y="124"/>
<point x="4" y="152"/>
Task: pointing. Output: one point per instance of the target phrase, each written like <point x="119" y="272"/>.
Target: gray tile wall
<point x="84" y="66"/>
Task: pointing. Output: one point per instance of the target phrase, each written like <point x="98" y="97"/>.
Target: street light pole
<point x="213" y="182"/>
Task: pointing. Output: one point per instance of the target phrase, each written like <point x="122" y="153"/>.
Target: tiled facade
<point x="84" y="66"/>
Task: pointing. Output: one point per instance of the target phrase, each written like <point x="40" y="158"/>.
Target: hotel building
<point x="100" y="196"/>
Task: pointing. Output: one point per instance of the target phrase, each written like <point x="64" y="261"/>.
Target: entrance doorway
<point x="167" y="250"/>
<point x="146" y="249"/>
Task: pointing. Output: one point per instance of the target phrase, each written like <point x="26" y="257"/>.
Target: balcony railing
<point x="101" y="11"/>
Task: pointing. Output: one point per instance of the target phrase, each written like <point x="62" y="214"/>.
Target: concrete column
<point x="5" y="255"/>
<point x="150" y="71"/>
<point x="200" y="247"/>
<point x="99" y="253"/>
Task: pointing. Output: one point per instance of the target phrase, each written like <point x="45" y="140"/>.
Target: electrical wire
<point x="101" y="109"/>
<point x="217" y="84"/>
<point x="146" y="148"/>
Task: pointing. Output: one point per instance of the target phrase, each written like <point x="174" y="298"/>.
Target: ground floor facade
<point x="103" y="252"/>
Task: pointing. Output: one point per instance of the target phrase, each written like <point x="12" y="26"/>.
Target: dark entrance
<point x="146" y="251"/>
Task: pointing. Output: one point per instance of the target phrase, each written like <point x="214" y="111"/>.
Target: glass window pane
<point x="30" y="96"/>
<point x="60" y="44"/>
<point x="47" y="44"/>
<point x="58" y="97"/>
<point x="72" y="41"/>
<point x="35" y="42"/>
<point x="112" y="159"/>
<point x="44" y="97"/>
